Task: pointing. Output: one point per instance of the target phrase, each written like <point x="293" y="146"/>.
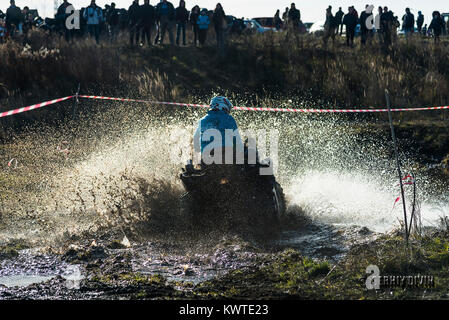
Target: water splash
<point x="352" y="199"/>
<point x="121" y="170"/>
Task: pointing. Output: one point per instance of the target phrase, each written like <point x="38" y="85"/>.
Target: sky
<point x="311" y="11"/>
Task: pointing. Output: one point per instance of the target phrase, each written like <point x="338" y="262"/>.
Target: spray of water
<point x="120" y="171"/>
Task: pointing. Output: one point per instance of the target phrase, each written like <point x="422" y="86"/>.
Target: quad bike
<point x="234" y="196"/>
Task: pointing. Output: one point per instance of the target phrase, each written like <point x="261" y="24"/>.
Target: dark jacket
<point x="13" y="16"/>
<point x="420" y="20"/>
<point x="168" y="11"/>
<point x="437" y="26"/>
<point x="148" y="15"/>
<point x="218" y="18"/>
<point x="134" y="14"/>
<point x="350" y="21"/>
<point x="112" y="17"/>
<point x="386" y="21"/>
<point x="194" y="17"/>
<point x="330" y="22"/>
<point x="182" y="15"/>
<point x="339" y="16"/>
<point x="409" y="21"/>
<point x="294" y="15"/>
<point x="61" y="13"/>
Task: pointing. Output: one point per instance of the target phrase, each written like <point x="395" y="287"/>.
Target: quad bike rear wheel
<point x="279" y="202"/>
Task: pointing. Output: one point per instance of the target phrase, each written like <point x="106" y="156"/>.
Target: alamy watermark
<point x="228" y="149"/>
<point x="72" y="22"/>
<point x="376" y="281"/>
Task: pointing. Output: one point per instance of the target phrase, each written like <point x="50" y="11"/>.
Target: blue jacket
<point x="220" y="121"/>
<point x="203" y="22"/>
<point x="93" y="15"/>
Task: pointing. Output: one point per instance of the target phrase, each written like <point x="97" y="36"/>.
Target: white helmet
<point x="220" y="104"/>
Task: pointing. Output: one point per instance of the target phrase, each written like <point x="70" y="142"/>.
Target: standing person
<point x="27" y="20"/>
<point x="158" y="27"/>
<point x="94" y="16"/>
<point x="350" y="22"/>
<point x="387" y="22"/>
<point x="165" y="13"/>
<point x="277" y="20"/>
<point x="148" y="18"/>
<point x="395" y="27"/>
<point x="13" y="19"/>
<point x="135" y="21"/>
<point x="365" y="32"/>
<point x="379" y="30"/>
<point x="329" y="26"/>
<point x="294" y="15"/>
<point x="420" y="21"/>
<point x="194" y="15"/>
<point x="436" y="25"/>
<point x="203" y="25"/>
<point x="182" y="17"/>
<point x="220" y="25"/>
<point x="408" y="22"/>
<point x="285" y="18"/>
<point x="61" y="17"/>
<point x="339" y="20"/>
<point x="113" y="20"/>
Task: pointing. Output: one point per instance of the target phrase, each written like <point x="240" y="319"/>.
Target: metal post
<point x="76" y="99"/>
<point x="413" y="215"/>
<point x="387" y="96"/>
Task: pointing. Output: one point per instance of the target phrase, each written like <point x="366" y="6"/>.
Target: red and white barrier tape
<point x="337" y="110"/>
<point x="271" y="109"/>
<point x="148" y="101"/>
<point x="34" y="106"/>
<point x="47" y="103"/>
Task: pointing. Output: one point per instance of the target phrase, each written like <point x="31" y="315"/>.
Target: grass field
<point x="414" y="71"/>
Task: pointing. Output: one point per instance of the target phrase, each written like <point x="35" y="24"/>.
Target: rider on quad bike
<point x="218" y="125"/>
<point x="227" y="187"/>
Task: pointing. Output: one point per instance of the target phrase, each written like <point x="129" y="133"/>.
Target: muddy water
<point x="120" y="174"/>
<point x="32" y="266"/>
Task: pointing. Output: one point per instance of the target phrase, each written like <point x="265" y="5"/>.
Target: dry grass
<point x="269" y="65"/>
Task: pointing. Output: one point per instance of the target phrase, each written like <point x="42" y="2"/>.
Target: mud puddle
<point x="31" y="266"/>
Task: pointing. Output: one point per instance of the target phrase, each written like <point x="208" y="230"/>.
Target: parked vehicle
<point x="254" y="26"/>
<point x="266" y="22"/>
<point x="230" y="20"/>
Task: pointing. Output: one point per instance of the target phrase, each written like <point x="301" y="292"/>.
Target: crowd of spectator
<point x="148" y="25"/>
<point x="384" y="23"/>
